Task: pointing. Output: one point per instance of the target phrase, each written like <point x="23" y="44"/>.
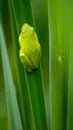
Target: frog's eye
<point x="22" y="31"/>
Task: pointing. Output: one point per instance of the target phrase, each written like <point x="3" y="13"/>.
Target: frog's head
<point x="27" y="30"/>
<point x="27" y="33"/>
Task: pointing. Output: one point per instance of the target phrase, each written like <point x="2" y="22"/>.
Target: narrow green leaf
<point x="21" y="86"/>
<point x="58" y="51"/>
<point x="43" y="35"/>
<point x="70" y="88"/>
<point x="14" y="115"/>
<point x="34" y="79"/>
<point x="3" y="105"/>
<point x="37" y="99"/>
<point x="70" y="79"/>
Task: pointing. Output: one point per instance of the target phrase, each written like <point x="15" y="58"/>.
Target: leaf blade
<point x="9" y="86"/>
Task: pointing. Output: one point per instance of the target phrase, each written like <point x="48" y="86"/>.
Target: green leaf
<point x="43" y="36"/>
<point x="21" y="86"/>
<point x="58" y="51"/>
<point x="34" y="79"/>
<point x="70" y="88"/>
<point x="14" y="115"/>
<point x="70" y="78"/>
